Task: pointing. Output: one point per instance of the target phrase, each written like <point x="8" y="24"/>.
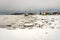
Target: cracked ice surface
<point x="39" y="27"/>
<point x="31" y="21"/>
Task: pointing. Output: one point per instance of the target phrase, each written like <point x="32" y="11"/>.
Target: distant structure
<point x="36" y="13"/>
<point x="26" y="14"/>
<point x="17" y="13"/>
<point x="46" y="13"/>
<point x="56" y="13"/>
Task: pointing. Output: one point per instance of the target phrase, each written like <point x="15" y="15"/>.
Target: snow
<point x="49" y="27"/>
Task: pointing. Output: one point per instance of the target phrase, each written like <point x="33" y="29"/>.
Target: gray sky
<point x="28" y="4"/>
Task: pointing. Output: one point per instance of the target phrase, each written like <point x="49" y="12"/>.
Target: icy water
<point x="49" y="28"/>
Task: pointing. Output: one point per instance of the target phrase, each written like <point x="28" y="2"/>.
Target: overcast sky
<point x="28" y="4"/>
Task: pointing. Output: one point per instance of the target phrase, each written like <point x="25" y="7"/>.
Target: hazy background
<point x="18" y="5"/>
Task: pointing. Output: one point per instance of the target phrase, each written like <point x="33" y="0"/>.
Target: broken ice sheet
<point x="25" y="28"/>
<point x="31" y="21"/>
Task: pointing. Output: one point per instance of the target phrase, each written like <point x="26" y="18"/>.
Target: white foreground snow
<point x="49" y="27"/>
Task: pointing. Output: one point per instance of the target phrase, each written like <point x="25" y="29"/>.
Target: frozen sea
<point x="50" y="30"/>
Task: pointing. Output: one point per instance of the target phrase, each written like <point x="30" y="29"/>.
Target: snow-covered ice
<point x="35" y="27"/>
<point x="21" y="21"/>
